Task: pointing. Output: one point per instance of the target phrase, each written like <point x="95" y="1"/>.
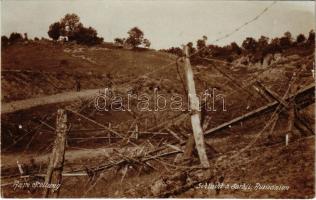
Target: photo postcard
<point x="157" y="99"/>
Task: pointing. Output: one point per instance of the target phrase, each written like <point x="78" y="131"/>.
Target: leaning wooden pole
<point x="195" y="113"/>
<point x="56" y="162"/>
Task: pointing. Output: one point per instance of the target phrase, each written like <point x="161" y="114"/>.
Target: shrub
<point x="4" y="41"/>
<point x="300" y="38"/>
<point x="54" y="31"/>
<point x="15" y="37"/>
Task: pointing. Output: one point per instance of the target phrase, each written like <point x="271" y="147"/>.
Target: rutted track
<point x="51" y="99"/>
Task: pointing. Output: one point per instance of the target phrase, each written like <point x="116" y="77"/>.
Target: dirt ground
<point x="147" y="161"/>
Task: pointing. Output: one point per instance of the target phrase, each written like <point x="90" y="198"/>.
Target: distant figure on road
<point x="78" y="85"/>
<point x="109" y="82"/>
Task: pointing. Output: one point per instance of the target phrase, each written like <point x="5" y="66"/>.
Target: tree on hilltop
<point x="300" y="38"/>
<point x="70" y="25"/>
<point x="311" y="37"/>
<point x="146" y="43"/>
<point x="136" y="37"/>
<point x="15" y="37"/>
<point x="4" y="41"/>
<point x="250" y="44"/>
<point x="71" y="28"/>
<point x="286" y="40"/>
<point x="54" y="31"/>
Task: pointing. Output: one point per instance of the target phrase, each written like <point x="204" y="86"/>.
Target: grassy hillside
<point x="49" y="68"/>
<point x="47" y="56"/>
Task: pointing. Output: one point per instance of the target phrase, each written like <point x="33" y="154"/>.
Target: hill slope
<point x="39" y="68"/>
<point x="244" y="152"/>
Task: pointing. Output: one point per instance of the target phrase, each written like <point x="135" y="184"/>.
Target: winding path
<point x="51" y="99"/>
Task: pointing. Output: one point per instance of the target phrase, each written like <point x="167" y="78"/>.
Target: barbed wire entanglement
<point x="241" y="85"/>
<point x="274" y="116"/>
<point x="149" y="149"/>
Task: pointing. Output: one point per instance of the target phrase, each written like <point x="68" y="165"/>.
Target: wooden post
<point x="56" y="162"/>
<point x="195" y="113"/>
<point x="290" y="123"/>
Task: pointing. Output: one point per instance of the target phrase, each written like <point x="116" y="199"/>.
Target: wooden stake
<point x="136" y="132"/>
<point x="20" y="168"/>
<point x="195" y="114"/>
<point x="56" y="162"/>
<point x="291" y="118"/>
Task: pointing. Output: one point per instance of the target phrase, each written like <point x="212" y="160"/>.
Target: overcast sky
<point x="165" y="23"/>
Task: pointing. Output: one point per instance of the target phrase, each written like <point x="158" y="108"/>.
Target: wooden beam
<point x="195" y="114"/>
<point x="56" y="162"/>
<point x="290" y="122"/>
<point x="273" y="94"/>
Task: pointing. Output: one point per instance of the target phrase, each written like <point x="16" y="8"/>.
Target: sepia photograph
<point x="157" y="99"/>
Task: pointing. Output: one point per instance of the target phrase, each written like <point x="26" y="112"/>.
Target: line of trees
<point x="69" y="28"/>
<point x="277" y="44"/>
<point x="260" y="47"/>
<point x="13" y="38"/>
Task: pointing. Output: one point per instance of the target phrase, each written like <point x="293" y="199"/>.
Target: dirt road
<point x="51" y="99"/>
<point x="71" y="156"/>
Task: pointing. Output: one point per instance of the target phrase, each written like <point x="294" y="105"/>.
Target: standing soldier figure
<point x="109" y="81"/>
<point x="78" y="85"/>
